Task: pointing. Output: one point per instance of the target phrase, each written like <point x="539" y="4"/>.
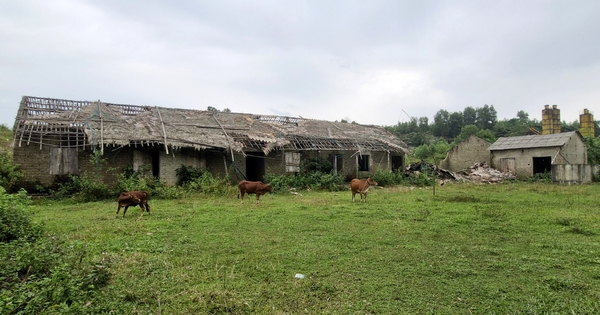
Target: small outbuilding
<point x="526" y="156"/>
<point x="55" y="137"/>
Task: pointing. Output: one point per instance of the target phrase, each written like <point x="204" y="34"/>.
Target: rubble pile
<point x="483" y="173"/>
<point x="478" y="173"/>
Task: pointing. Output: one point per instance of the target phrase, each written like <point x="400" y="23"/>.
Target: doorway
<point x="542" y="165"/>
<point x="255" y="166"/>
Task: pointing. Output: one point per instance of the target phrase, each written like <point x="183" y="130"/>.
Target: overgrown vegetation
<point x="313" y="174"/>
<point x="40" y="273"/>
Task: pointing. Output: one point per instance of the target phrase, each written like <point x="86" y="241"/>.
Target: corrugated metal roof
<point x="532" y="141"/>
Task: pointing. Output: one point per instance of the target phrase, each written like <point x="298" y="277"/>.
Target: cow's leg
<point x="147" y="207"/>
<point x="125" y="210"/>
<point x="118" y="208"/>
<point x="242" y="192"/>
<point x="257" y="198"/>
<point x="142" y="210"/>
<point x="353" y="194"/>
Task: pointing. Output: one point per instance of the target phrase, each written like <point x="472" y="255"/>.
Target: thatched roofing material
<point x="39" y="119"/>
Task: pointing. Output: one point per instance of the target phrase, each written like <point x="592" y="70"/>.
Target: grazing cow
<point x="132" y="199"/>
<point x="361" y="186"/>
<point x="258" y="188"/>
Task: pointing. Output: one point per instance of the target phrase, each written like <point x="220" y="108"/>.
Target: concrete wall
<point x="572" y="153"/>
<point x="523" y="159"/>
<point x="573" y="173"/>
<point x="465" y="154"/>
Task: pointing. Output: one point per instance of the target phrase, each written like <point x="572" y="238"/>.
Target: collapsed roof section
<point x="66" y="123"/>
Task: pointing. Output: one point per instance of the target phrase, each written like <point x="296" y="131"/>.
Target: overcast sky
<point x="373" y="62"/>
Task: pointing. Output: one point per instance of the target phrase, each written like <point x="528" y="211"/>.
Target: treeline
<point x="453" y="127"/>
<point x="481" y="120"/>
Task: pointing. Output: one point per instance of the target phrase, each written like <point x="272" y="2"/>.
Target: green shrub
<point x="207" y="183"/>
<point x="310" y="180"/>
<point x="82" y="188"/>
<point x="419" y="179"/>
<point x="42" y="274"/>
<point x="187" y="174"/>
<point x="9" y="173"/>
<point x="14" y="223"/>
<point x="386" y="178"/>
<point x="48" y="276"/>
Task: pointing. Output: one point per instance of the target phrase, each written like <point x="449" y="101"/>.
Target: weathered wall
<point x="573" y="173"/>
<point x="34" y="163"/>
<point x="523" y="159"/>
<point x="465" y="154"/>
<point x="572" y="153"/>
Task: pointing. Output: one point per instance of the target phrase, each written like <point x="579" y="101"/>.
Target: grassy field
<point x="514" y="248"/>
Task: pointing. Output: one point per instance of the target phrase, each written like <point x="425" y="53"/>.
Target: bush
<point x="386" y="178"/>
<point x="311" y="180"/>
<point x="82" y="188"/>
<point x="9" y="173"/>
<point x="42" y="274"/>
<point x="187" y="174"/>
<point x="207" y="183"/>
<point x="14" y="223"/>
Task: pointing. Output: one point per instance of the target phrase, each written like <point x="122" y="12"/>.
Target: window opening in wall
<point x="292" y="162"/>
<point x="363" y="163"/>
<point x="336" y="162"/>
<point x="155" y="155"/>
<point x="255" y="166"/>
<point x="542" y="164"/>
<point x="397" y="163"/>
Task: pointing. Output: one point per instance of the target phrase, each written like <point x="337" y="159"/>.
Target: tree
<point x="455" y="123"/>
<point x="486" y="117"/>
<point x="424" y="124"/>
<point x="214" y="110"/>
<point x="593" y="149"/>
<point x="466" y="132"/>
<point x="441" y="126"/>
<point x="433" y="152"/>
<point x="470" y="116"/>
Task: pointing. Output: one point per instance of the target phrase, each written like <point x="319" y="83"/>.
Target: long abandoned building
<point x="56" y="137"/>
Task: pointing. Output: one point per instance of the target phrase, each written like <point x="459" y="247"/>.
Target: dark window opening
<point x="155" y="155"/>
<point x="336" y="162"/>
<point x="363" y="163"/>
<point x="542" y="165"/>
<point x="397" y="163"/>
<point x="255" y="166"/>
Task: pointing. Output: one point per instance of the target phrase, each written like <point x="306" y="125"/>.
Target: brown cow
<point x="258" y="188"/>
<point x="361" y="186"/>
<point x="132" y="199"/>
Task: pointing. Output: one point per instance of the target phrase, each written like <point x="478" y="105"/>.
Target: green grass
<point x="470" y="249"/>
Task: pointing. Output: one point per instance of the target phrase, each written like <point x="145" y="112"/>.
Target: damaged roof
<point x="68" y="123"/>
<point x="533" y="141"/>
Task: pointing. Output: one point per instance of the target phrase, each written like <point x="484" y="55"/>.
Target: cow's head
<point x="135" y="198"/>
<point x="269" y="187"/>
<point x="371" y="181"/>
